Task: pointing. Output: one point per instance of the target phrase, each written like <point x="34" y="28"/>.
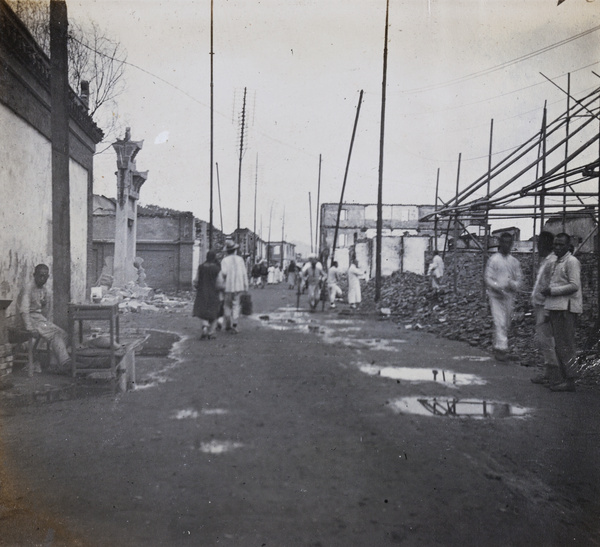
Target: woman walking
<point x="209" y="284"/>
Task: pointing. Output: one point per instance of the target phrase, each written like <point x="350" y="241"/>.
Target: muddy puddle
<point x="160" y="353"/>
<point x="457" y="408"/>
<point x="342" y="332"/>
<point x="410" y="374"/>
<point x="472" y="358"/>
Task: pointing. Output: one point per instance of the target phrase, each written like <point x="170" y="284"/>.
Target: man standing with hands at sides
<point x="564" y="303"/>
<point x="543" y="338"/>
<point x="502" y="279"/>
<point x="234" y="272"/>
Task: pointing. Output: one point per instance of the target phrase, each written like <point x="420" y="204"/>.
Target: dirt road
<point x="319" y="429"/>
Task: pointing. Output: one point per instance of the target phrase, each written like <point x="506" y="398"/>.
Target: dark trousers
<point x="563" y="329"/>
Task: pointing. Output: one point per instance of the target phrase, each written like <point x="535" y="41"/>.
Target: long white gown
<point x="354" y="275"/>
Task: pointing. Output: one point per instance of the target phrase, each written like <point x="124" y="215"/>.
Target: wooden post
<point x="212" y="124"/>
<point x="310" y="223"/>
<point x="381" y="149"/>
<point x="568" y="116"/>
<point x="486" y="239"/>
<point x="317" y="239"/>
<point x="455" y="254"/>
<point x="219" y="191"/>
<point x="255" y="192"/>
<point x="598" y="243"/>
<point x="542" y="197"/>
<point x="240" y="164"/>
<point x="337" y="222"/>
<point x="61" y="194"/>
<point x="435" y="218"/>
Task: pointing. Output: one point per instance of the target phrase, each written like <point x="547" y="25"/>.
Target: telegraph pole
<point x="61" y="193"/>
<point x="282" y="236"/>
<point x="318" y="205"/>
<point x="255" y="192"/>
<point x="240" y="164"/>
<point x="210" y="223"/>
<point x="310" y="222"/>
<point x="381" y="147"/>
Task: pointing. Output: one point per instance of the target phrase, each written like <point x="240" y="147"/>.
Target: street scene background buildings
<point x="138" y="198"/>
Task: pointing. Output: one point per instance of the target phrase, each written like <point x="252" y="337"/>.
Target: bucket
<point x="246" y="303"/>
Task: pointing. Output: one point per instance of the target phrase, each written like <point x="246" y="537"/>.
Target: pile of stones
<point x="465" y="316"/>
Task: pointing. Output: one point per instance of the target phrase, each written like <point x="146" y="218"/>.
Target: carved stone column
<point x="129" y="182"/>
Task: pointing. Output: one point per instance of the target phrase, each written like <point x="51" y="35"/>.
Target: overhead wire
<point x="506" y="64"/>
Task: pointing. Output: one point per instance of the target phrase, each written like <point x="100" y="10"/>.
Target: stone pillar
<point x="129" y="182"/>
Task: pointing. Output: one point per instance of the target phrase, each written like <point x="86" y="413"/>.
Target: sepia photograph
<point x="299" y="273"/>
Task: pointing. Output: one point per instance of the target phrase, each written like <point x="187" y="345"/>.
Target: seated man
<point x="36" y="308"/>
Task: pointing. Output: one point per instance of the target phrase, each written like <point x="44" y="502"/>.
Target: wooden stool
<point x="20" y="338"/>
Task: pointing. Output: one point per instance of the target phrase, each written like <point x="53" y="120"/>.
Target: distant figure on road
<point x="502" y="279"/>
<point x="236" y="282"/>
<point x="209" y="285"/>
<point x="333" y="279"/>
<point x="354" y="275"/>
<point x="436" y="271"/>
<point x="564" y="303"/>
<point x="292" y="272"/>
<point x="264" y="274"/>
<point x="271" y="275"/>
<point x="256" y="278"/>
<point x="278" y="274"/>
<point x="313" y="275"/>
<point x="544" y="339"/>
<point x="36" y="313"/>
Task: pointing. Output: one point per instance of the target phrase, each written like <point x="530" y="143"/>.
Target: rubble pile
<point x="465" y="316"/>
<point x="133" y="298"/>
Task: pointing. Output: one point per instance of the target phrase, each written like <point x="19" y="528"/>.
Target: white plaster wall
<point x="78" y="178"/>
<point x="26" y="209"/>
<point x="414" y="254"/>
<point x="390" y="254"/>
<point x="25" y="204"/>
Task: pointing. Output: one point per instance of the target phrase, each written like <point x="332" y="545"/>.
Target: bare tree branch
<point x="93" y="57"/>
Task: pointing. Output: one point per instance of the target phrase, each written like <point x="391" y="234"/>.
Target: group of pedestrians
<point x="220" y="286"/>
<point x="219" y="289"/>
<point x="316" y="279"/>
<point x="556" y="299"/>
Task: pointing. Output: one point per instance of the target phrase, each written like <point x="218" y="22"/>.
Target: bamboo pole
<point x="525" y="148"/>
<point x="564" y="212"/>
<point x="317" y="242"/>
<point x="337" y="222"/>
<point x="212" y="125"/>
<point x="486" y="238"/>
<point x="455" y="253"/>
<point x="254" y="227"/>
<point x="220" y="205"/>
<point x="310" y="223"/>
<point x="435" y="219"/>
<point x="381" y="150"/>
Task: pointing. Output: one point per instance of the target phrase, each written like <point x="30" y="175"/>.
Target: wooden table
<point x="94" y="312"/>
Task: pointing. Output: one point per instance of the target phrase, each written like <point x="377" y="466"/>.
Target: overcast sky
<point x="452" y="66"/>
